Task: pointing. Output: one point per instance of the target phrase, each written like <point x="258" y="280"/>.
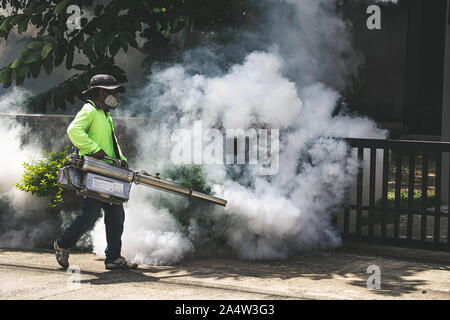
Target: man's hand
<point x="100" y="155"/>
<point x="124" y="164"/>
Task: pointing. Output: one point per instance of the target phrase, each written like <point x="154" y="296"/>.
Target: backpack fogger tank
<point x="93" y="178"/>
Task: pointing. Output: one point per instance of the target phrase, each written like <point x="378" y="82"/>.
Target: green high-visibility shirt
<point x="92" y="131"/>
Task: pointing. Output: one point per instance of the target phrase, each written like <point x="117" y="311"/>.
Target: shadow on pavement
<point x="399" y="275"/>
<point x="396" y="274"/>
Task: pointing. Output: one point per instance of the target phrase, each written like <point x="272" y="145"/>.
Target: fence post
<point x="423" y="221"/>
<point x="398" y="185"/>
<point x="373" y="168"/>
<point x="359" y="191"/>
<point x="411" y="176"/>
<point x="437" y="206"/>
<point x="385" y="190"/>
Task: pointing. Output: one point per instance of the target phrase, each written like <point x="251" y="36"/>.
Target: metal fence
<point x="397" y="197"/>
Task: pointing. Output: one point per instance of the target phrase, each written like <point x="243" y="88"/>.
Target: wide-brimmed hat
<point x="104" y="81"/>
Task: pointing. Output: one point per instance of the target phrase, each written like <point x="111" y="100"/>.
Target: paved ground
<point x="341" y="274"/>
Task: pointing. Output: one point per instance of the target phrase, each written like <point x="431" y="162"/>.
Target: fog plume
<point x="25" y="221"/>
<point x="289" y="80"/>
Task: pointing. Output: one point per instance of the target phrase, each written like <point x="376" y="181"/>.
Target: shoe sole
<point x="56" y="253"/>
<point x="121" y="268"/>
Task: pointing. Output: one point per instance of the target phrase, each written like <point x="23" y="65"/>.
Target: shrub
<point x="40" y="177"/>
<point x="189" y="176"/>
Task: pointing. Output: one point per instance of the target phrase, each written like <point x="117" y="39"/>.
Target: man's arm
<point x="77" y="132"/>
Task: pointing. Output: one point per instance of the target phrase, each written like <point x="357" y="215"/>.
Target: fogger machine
<point x="93" y="178"/>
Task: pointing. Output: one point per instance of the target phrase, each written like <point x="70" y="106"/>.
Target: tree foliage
<point x="147" y="26"/>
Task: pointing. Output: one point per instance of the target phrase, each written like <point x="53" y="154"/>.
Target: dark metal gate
<point x="400" y="202"/>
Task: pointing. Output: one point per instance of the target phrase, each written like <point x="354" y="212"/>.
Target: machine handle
<point x="116" y="161"/>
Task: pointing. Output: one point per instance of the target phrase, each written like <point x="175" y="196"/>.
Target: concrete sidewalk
<point x="340" y="274"/>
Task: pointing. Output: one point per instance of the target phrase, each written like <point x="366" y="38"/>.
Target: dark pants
<point x="85" y="220"/>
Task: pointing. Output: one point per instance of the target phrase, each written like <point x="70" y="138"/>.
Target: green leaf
<point x="4" y="24"/>
<point x="19" y="80"/>
<point x="2" y="74"/>
<point x="114" y="47"/>
<point x="98" y="9"/>
<point x="23" y="25"/>
<point x="47" y="38"/>
<point x="36" y="69"/>
<point x="60" y="6"/>
<point x="69" y="56"/>
<point x="35" y="45"/>
<point x="17" y="63"/>
<point x="60" y="52"/>
<point x="46" y="50"/>
<point x="48" y="64"/>
<point x="37" y="19"/>
<point x="6" y="76"/>
<point x="131" y="39"/>
<point x="79" y="40"/>
<point x="88" y="50"/>
<point x="124" y="44"/>
<point x="25" y="52"/>
<point x="15" y="20"/>
<point x="24" y="70"/>
<point x="33" y="58"/>
<point x="51" y="99"/>
<point x="97" y="46"/>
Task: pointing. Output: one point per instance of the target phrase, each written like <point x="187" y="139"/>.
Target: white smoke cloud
<point x="24" y="222"/>
<point x="388" y="1"/>
<point x="290" y="84"/>
<point x="151" y="234"/>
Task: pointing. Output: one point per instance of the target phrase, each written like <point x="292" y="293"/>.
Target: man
<point x="92" y="132"/>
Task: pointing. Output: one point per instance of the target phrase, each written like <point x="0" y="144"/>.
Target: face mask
<point x="111" y="101"/>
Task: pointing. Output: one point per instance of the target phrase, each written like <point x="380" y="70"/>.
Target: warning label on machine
<point x="103" y="185"/>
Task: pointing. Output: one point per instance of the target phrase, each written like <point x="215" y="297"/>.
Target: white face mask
<point x="111" y="101"/>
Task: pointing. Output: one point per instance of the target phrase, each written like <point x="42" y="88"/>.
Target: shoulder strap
<point x="92" y="103"/>
<point x="116" y="148"/>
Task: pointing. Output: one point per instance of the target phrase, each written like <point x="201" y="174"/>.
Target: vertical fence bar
<point x="448" y="209"/>
<point x="423" y="222"/>
<point x="437" y="203"/>
<point x="346" y="219"/>
<point x="359" y="189"/>
<point x="384" y="191"/>
<point x="398" y="185"/>
<point x="373" y="168"/>
<point x="410" y="195"/>
<point x="347" y="200"/>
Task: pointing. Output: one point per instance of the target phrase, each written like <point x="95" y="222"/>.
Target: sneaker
<point x="62" y="255"/>
<point x="121" y="264"/>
